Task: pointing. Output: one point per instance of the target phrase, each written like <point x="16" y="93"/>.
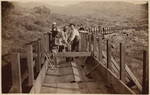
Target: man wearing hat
<point x="54" y="30"/>
<point x="74" y="37"/>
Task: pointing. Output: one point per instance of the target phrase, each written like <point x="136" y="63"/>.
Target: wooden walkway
<point x="62" y="80"/>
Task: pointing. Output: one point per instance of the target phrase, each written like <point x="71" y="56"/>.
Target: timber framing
<point x="109" y="77"/>
<point x="39" y="80"/>
<point x="73" y="54"/>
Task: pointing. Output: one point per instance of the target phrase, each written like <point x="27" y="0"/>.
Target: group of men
<point x="65" y="38"/>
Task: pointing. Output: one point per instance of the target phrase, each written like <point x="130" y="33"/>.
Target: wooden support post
<point x="16" y="73"/>
<point x="80" y="42"/>
<point x="100" y="49"/>
<point x="94" y="44"/>
<point x="30" y="64"/>
<point x="90" y="42"/>
<point x="122" y="62"/>
<point x="109" y="65"/>
<point x="38" y="58"/>
<point x="50" y="37"/>
<point x="83" y="42"/>
<point x="145" y="85"/>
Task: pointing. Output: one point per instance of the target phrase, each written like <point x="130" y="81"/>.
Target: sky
<point x="67" y="2"/>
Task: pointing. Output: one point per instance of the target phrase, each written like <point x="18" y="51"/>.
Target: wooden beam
<point x="24" y="55"/>
<point x="77" y="76"/>
<point x="94" y="43"/>
<point x="16" y="73"/>
<point x="109" y="65"/>
<point x="104" y="73"/>
<point x="25" y="75"/>
<point x="100" y="49"/>
<point x="80" y="45"/>
<point x="129" y="73"/>
<point x="145" y="85"/>
<point x="73" y="54"/>
<point x="122" y="62"/>
<point x="30" y="65"/>
<point x="83" y="31"/>
<point x="90" y="43"/>
<point x="40" y="79"/>
<point x="38" y="58"/>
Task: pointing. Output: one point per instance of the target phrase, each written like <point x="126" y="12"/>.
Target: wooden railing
<point x="90" y="44"/>
<point x="34" y="60"/>
<point x="94" y="45"/>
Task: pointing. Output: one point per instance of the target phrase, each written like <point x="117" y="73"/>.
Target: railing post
<point x="50" y="39"/>
<point x="145" y="84"/>
<point x="83" y="42"/>
<point x="90" y="42"/>
<point x="94" y="44"/>
<point x="100" y="49"/>
<point x="30" y="64"/>
<point x="16" y="73"/>
<point x="80" y="42"/>
<point x="122" y="62"/>
<point x="38" y="58"/>
<point x="109" y="65"/>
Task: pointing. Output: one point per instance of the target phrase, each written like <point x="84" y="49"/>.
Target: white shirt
<point x="74" y="33"/>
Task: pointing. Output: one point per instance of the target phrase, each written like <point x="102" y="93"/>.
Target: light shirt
<point x="60" y="37"/>
<point x="74" y="33"/>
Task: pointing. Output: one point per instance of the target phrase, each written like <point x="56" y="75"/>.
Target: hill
<point x="24" y="22"/>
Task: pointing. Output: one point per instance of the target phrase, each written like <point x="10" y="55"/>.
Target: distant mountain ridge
<point x="110" y="11"/>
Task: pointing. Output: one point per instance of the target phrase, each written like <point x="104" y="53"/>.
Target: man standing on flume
<point x="74" y="38"/>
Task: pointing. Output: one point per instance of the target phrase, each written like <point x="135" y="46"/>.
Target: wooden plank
<point x="76" y="74"/>
<point x="30" y="65"/>
<point x="49" y="88"/>
<point x="109" y="65"/>
<point x="16" y="73"/>
<point x="75" y="88"/>
<point x="129" y="73"/>
<point x="90" y="43"/>
<point x="100" y="49"/>
<point x="94" y="44"/>
<point x="24" y="55"/>
<point x="64" y="88"/>
<point x="83" y="70"/>
<point x="25" y="75"/>
<point x="73" y="54"/>
<point x="83" y="42"/>
<point x="108" y="76"/>
<point x="80" y="45"/>
<point x="83" y="88"/>
<point x="133" y="78"/>
<point x="145" y="73"/>
<point x="66" y="73"/>
<point x="38" y="60"/>
<point x="122" y="62"/>
<point x="83" y="31"/>
<point x="39" y="80"/>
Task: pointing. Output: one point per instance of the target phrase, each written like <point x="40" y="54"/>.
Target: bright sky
<point x="67" y="2"/>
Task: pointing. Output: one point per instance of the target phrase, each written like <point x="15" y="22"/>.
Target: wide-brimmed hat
<point x="72" y="24"/>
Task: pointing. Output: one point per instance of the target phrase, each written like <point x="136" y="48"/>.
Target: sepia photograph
<point x="74" y="47"/>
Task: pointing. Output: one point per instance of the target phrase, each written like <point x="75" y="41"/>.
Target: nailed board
<point x="39" y="81"/>
<point x="109" y="77"/>
<point x="127" y="70"/>
<point x="73" y="54"/>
